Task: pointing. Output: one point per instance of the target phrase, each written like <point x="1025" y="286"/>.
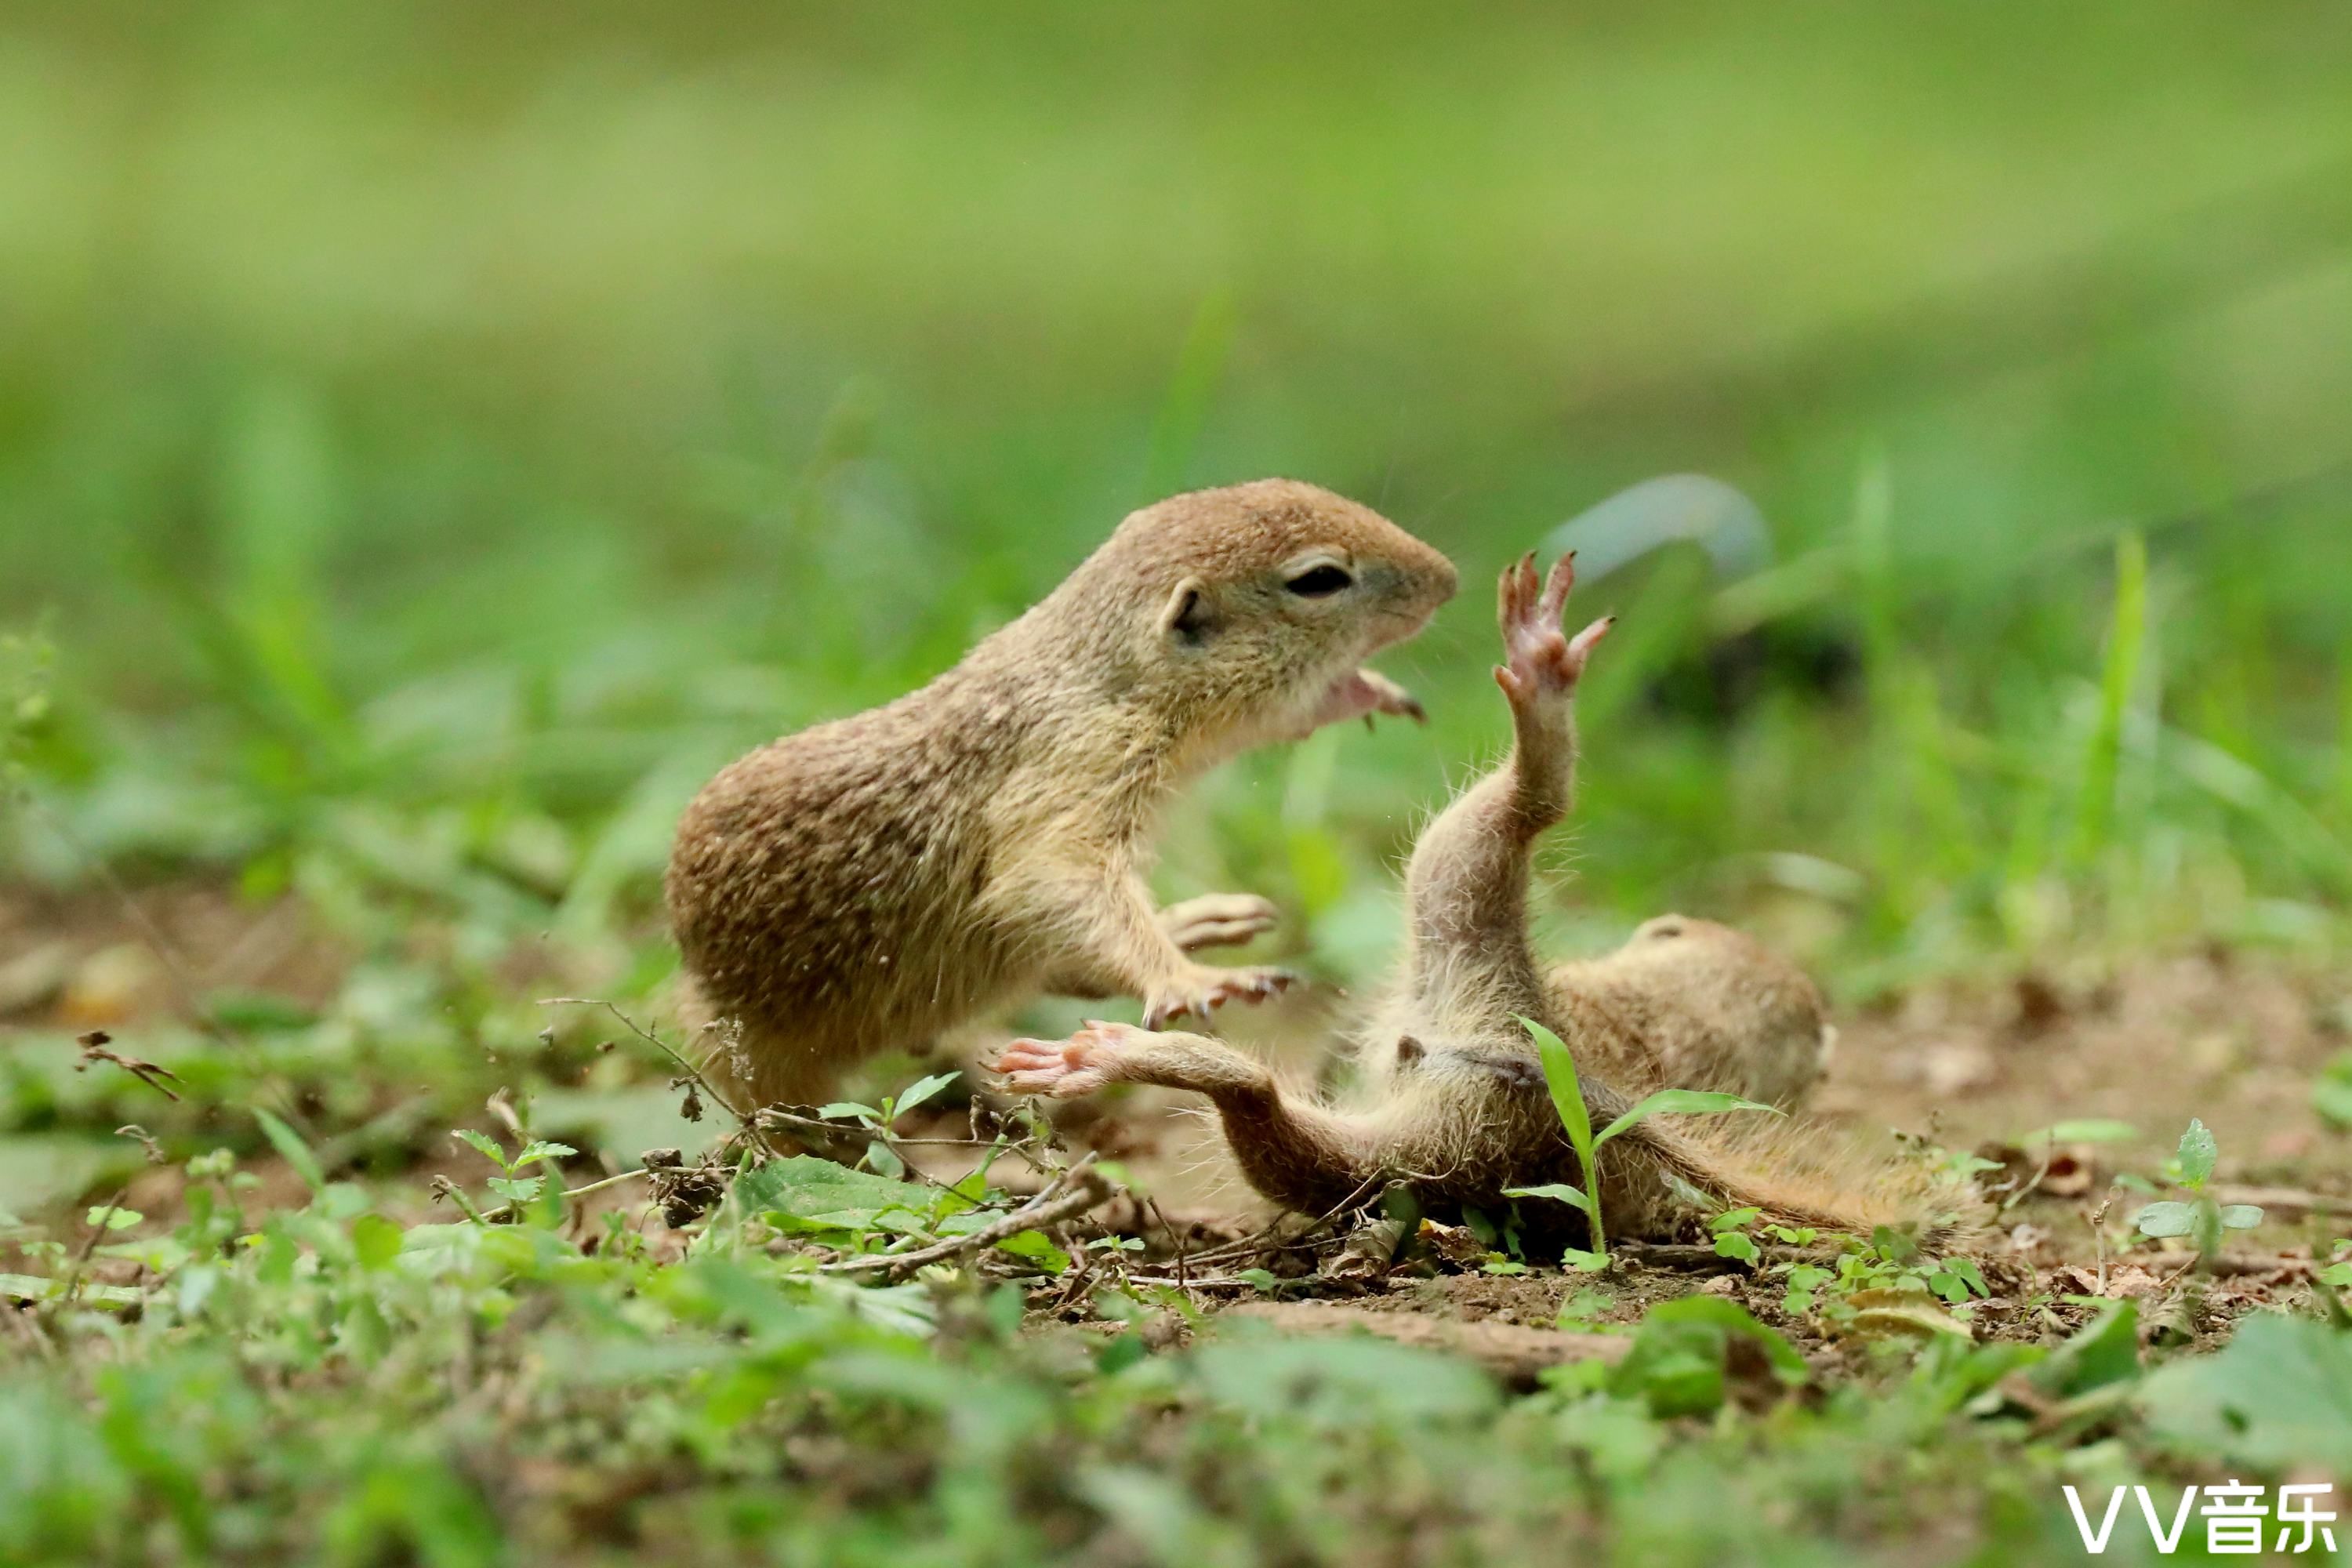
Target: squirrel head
<point x="1720" y="974"/>
<point x="1243" y="615"/>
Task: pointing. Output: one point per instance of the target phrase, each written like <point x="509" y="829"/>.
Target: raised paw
<point x="1360" y="694"/>
<point x="1217" y="920"/>
<point x="1064" y="1068"/>
<point x="1204" y="990"/>
<point x="1539" y="659"/>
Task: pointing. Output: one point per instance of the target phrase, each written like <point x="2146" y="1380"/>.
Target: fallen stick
<point x="1068" y="1196"/>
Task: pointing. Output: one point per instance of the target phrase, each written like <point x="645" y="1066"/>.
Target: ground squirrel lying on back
<point x="1458" y="1102"/>
<point x="869" y="882"/>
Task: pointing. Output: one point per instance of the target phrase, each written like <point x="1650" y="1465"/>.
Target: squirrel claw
<point x="1211" y="989"/>
<point x="1539" y="659"/>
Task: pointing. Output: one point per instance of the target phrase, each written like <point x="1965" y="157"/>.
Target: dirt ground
<point x="2233" y="1038"/>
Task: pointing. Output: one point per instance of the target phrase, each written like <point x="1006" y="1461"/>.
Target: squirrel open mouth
<point x="1362" y="692"/>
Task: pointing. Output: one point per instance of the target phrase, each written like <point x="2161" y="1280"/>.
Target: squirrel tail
<point x="1803" y="1173"/>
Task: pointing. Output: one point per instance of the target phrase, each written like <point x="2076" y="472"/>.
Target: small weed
<point x="1568" y="1099"/>
<point x="2199" y="1218"/>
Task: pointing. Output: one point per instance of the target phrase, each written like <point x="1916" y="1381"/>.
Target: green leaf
<point x="113" y="1217"/>
<point x="1560" y="1192"/>
<point x="1035" y="1246"/>
<point x="292" y="1149"/>
<point x="1559" y="1077"/>
<point x="1580" y="1309"/>
<point x="2241" y="1216"/>
<point x="920" y="1090"/>
<point x="376" y="1240"/>
<point x="1961" y="1273"/>
<point x="1262" y="1279"/>
<point x="1735" y="1219"/>
<point x="487" y="1146"/>
<point x="810" y="1194"/>
<point x="2164" y="1220"/>
<point x="517" y="1190"/>
<point x="2197" y="1154"/>
<point x="1122" y="1352"/>
<point x="1732" y="1243"/>
<point x="848" y="1108"/>
<point x="1681" y="1102"/>
<point x="2106" y="1351"/>
<point x="2331" y="1092"/>
<point x="1584" y="1262"/>
<point x="1804" y="1278"/>
<point x="2278" y="1396"/>
<point x="540" y="1148"/>
<point x="1680" y="1357"/>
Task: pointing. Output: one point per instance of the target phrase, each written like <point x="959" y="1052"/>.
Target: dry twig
<point x="1068" y="1196"/>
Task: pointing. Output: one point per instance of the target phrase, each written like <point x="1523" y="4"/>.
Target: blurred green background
<point x="433" y="437"/>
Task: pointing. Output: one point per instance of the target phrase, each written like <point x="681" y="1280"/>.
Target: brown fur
<point x="869" y="882"/>
<point x="1700" y="1005"/>
<point x="1458" y="1102"/>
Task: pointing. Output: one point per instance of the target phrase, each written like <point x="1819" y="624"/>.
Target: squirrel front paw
<point x="1218" y="920"/>
<point x="1204" y="990"/>
<point x="1065" y="1069"/>
<point x="1540" y="660"/>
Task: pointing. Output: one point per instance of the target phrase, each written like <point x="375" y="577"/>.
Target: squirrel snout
<point x="1415" y="589"/>
<point x="1436" y="579"/>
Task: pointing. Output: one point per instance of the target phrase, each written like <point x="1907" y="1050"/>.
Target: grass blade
<point x="1559" y="1076"/>
<point x="292" y="1149"/>
<point x="1681" y="1102"/>
<point x="2095" y="814"/>
<point x="1560" y="1192"/>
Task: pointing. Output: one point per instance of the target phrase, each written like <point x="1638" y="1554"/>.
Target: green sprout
<point x="1568" y="1099"/>
<point x="2200" y="1219"/>
<point x="519" y="1190"/>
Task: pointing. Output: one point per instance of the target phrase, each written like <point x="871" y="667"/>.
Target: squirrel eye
<point x="1319" y="581"/>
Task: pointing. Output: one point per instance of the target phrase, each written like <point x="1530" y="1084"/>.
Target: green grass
<point x="432" y="440"/>
<point x="508" y="445"/>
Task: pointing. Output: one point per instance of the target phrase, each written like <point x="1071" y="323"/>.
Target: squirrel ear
<point x="1187" y="618"/>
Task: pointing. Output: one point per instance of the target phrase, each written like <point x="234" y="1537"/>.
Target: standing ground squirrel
<point x="1458" y="1104"/>
<point x="869" y="882"/>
